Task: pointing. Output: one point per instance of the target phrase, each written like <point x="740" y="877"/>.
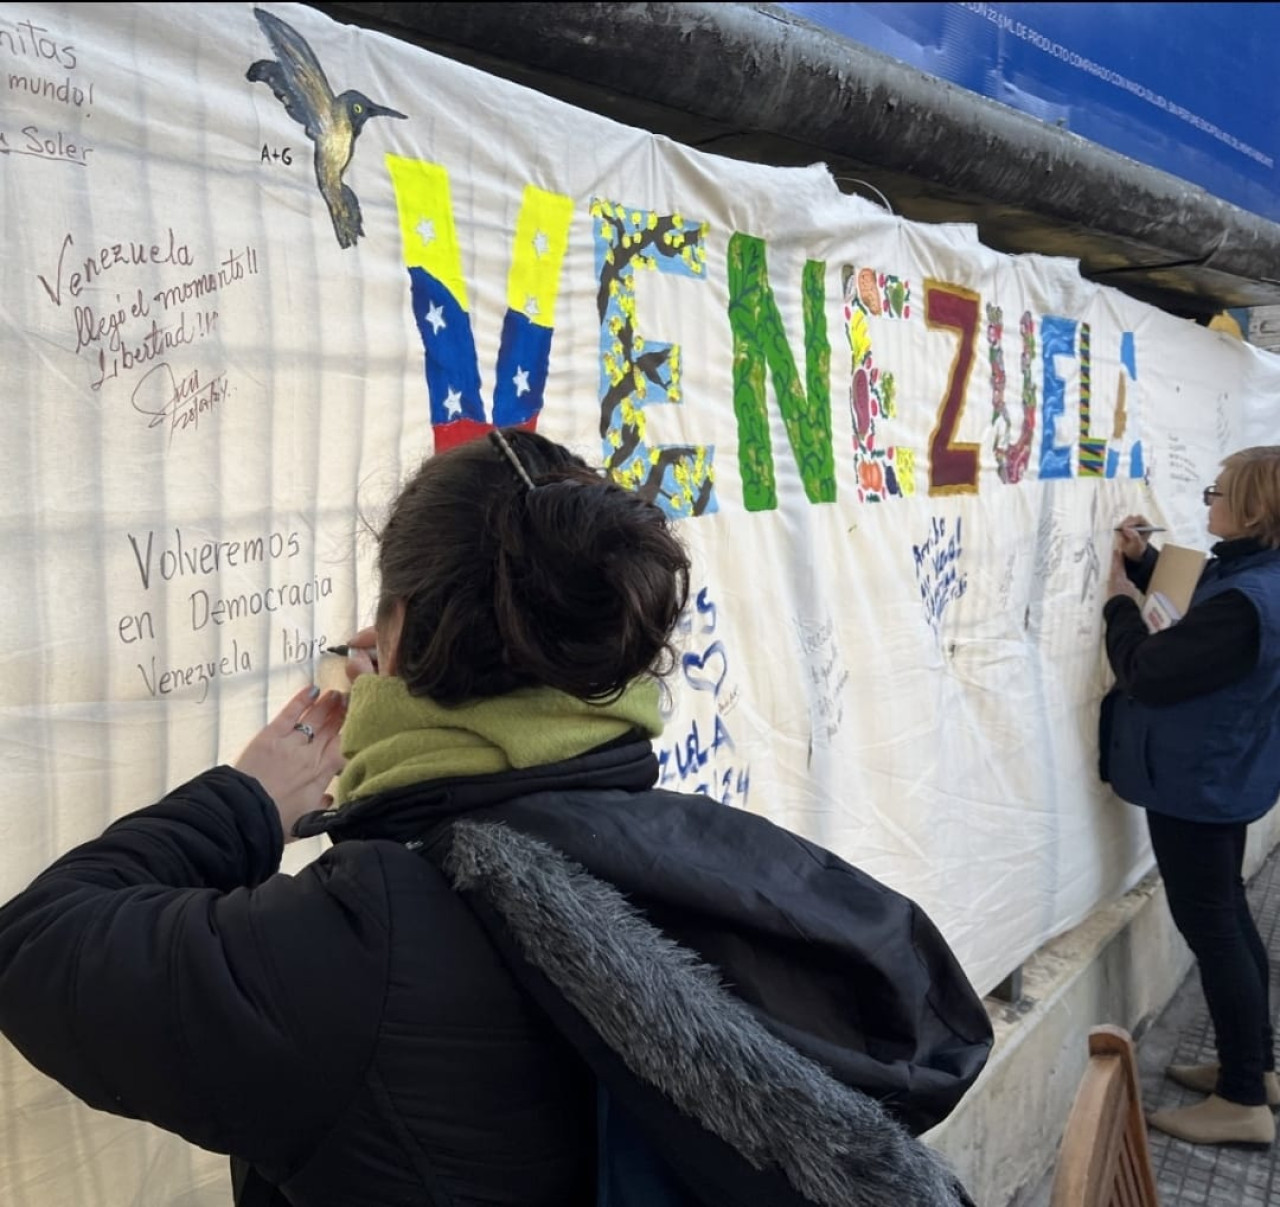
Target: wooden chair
<point x="1104" y="1160"/>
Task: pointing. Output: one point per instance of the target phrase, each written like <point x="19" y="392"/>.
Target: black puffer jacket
<point x="427" y="1013"/>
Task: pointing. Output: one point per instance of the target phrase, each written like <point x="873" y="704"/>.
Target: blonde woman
<point x="1192" y="734"/>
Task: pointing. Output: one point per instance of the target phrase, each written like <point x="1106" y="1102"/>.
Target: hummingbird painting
<point x="332" y="122"/>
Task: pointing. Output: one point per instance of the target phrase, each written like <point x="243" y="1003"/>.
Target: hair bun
<point x="574" y="583"/>
<point x="590" y="581"/>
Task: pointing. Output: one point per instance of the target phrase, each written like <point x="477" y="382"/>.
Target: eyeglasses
<point x="1211" y="493"/>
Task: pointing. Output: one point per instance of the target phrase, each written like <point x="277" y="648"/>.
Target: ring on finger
<point x="303" y="727"/>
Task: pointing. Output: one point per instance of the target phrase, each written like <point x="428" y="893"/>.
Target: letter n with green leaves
<point x="760" y="349"/>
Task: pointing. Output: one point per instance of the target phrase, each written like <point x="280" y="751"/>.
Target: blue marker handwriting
<point x="937" y="569"/>
<point x="699" y="761"/>
<point x="706" y="615"/>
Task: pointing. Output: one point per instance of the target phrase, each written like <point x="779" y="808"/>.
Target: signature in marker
<point x="179" y="401"/>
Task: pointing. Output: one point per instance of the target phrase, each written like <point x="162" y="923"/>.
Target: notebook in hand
<point x="1172" y="584"/>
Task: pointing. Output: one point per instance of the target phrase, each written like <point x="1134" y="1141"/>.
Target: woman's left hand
<point x="1118" y="583"/>
<point x="296" y="756"/>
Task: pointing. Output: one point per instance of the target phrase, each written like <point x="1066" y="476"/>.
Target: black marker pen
<point x="344" y="651"/>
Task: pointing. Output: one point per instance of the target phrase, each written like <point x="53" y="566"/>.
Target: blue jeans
<point x="1201" y="865"/>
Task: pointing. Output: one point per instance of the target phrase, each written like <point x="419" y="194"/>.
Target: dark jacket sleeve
<point x="163" y="973"/>
<point x="1140" y="572"/>
<point x="1216" y="643"/>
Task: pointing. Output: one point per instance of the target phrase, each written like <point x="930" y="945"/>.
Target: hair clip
<point x="500" y="443"/>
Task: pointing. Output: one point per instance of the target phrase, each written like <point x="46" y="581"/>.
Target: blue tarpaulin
<point x="1187" y="88"/>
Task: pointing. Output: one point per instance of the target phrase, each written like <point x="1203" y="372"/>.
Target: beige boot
<point x="1204" y="1080"/>
<point x="1217" y="1121"/>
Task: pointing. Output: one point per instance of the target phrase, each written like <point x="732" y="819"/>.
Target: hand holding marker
<point x="359" y="657"/>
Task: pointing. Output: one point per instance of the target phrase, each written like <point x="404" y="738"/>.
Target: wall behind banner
<point x="896" y="456"/>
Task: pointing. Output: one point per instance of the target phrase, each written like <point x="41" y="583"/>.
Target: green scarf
<point x="391" y="739"/>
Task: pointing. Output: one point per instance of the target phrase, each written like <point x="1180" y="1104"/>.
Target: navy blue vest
<point x="1215" y="757"/>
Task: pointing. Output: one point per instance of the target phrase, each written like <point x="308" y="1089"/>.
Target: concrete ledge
<point x="1121" y="965"/>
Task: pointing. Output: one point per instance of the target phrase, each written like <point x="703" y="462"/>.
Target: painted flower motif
<point x="871" y="475"/>
<point x="905" y="464"/>
<point x="888" y="395"/>
<point x="868" y="295"/>
<point x="861" y="400"/>
<point x="1016" y="463"/>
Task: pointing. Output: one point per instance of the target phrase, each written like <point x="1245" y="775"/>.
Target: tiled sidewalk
<point x="1187" y="1174"/>
<point x="1195" y="1174"/>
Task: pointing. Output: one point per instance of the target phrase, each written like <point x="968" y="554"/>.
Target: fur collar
<point x="677" y="1028"/>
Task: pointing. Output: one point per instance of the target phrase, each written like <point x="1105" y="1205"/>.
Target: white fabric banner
<point x="258" y="264"/>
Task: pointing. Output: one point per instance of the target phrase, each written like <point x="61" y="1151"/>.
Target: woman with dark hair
<point x="1191" y="732"/>
<point x="522" y="975"/>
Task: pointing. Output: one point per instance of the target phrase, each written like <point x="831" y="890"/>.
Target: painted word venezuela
<point x="636" y="372"/>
